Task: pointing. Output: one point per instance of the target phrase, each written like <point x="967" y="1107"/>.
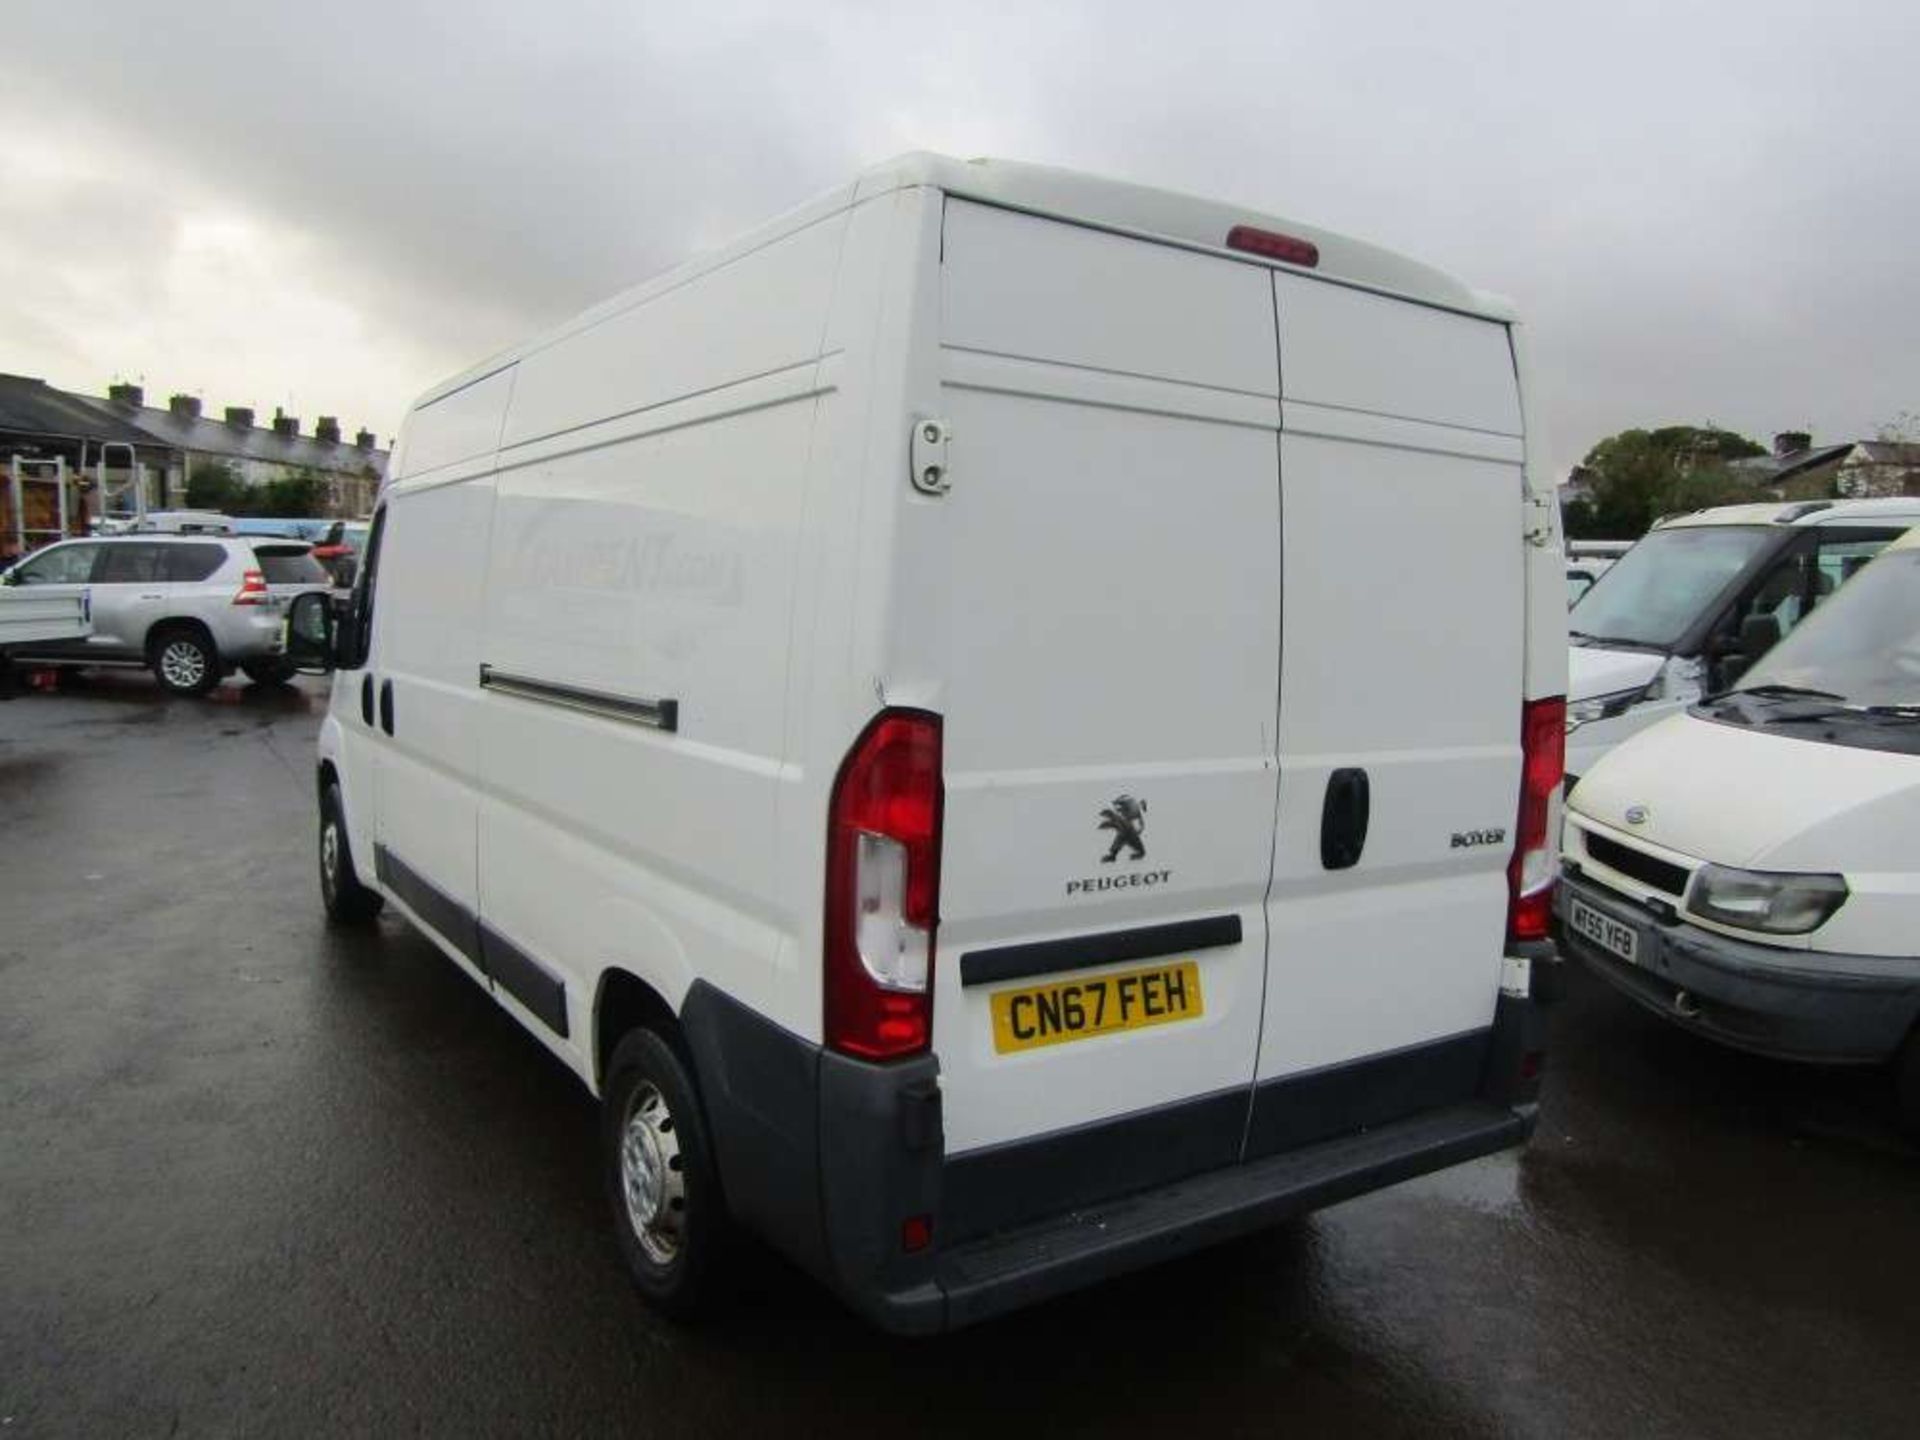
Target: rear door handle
<point x="1343" y="819"/>
<point x="386" y="706"/>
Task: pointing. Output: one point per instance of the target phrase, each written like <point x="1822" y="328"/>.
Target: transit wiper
<point x="1787" y="692"/>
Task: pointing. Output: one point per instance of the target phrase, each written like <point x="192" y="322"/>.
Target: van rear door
<point x="1112" y="644"/>
<point x="1400" y="703"/>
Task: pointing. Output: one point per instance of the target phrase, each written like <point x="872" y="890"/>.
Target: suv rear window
<point x="290" y="565"/>
<point x="189" y="564"/>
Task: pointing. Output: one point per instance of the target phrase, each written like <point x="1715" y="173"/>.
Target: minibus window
<point x="1866" y="649"/>
<point x="1662" y="586"/>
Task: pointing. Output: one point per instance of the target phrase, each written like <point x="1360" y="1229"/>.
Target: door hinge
<point x="929" y="457"/>
<point x="1539" y="516"/>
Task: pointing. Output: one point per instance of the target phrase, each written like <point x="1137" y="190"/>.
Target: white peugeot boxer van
<point x="1750" y="870"/>
<point x="949" y="717"/>
<point x="1699" y="599"/>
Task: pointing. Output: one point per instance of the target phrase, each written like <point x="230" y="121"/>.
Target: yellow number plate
<point x="1074" y="1009"/>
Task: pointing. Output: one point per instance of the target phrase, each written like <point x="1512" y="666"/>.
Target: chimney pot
<point x="124" y="394"/>
<point x="184" y="407"/>
<point x="1791" y="442"/>
<point x="240" y="417"/>
<point x="284" y="425"/>
<point x="327" y="429"/>
<point x="364" y="439"/>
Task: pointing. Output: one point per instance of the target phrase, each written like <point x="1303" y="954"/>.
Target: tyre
<point x="348" y="902"/>
<point x="668" y="1211"/>
<point x="276" y="671"/>
<point x="184" y="661"/>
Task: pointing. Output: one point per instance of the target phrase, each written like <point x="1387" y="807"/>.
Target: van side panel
<point x="459" y="426"/>
<point x="759" y="314"/>
<point x="1403" y="662"/>
<point x="425" y="658"/>
<point x="876" y="369"/>
<point x="648" y="555"/>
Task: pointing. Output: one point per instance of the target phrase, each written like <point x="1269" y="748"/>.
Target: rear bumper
<point x="827" y="1157"/>
<point x="1002" y="1272"/>
<point x="248" y="632"/>
<point x="1788" y="1004"/>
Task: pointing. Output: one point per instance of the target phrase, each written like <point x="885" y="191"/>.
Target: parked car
<point x="1587" y="561"/>
<point x="29" y="617"/>
<point x="190" y="607"/>
<point x="1702" y="597"/>
<point x="1751" y="869"/>
<point x="1581" y="575"/>
<point x="179" y="522"/>
<point x="340" y="549"/>
<point x="954" y="862"/>
<point x="280" y="527"/>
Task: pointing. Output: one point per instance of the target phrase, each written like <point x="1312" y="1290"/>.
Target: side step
<point x="1050" y="1257"/>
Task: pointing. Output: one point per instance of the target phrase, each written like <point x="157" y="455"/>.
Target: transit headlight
<point x="1602" y="707"/>
<point x="1777" y="904"/>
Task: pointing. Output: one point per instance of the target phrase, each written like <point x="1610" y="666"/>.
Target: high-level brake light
<point x="1272" y="245"/>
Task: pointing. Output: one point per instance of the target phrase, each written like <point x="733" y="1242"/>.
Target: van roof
<point x="1801" y="512"/>
<point x="1171" y="215"/>
<point x="1072" y="195"/>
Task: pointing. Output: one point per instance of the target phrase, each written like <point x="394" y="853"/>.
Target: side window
<point x="134" y="563"/>
<point x="1784" y="593"/>
<point x="363" y="591"/>
<point x="1788" y="592"/>
<point x="58" y="565"/>
<point x="1839" y="559"/>
<point x="190" y="564"/>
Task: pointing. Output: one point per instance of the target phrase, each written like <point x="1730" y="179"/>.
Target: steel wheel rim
<point x="329" y="856"/>
<point x="652" y="1181"/>
<point x="183" y="663"/>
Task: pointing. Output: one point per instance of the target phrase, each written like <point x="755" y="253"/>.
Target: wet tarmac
<point x="258" y="1178"/>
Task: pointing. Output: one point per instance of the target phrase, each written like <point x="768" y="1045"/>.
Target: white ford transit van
<point x="949" y="717"/>
<point x="1702" y="597"/>
<point x="1751" y="869"/>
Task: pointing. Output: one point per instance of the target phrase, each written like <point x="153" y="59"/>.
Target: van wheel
<point x="667" y="1207"/>
<point x="184" y="661"/>
<point x="348" y="902"/>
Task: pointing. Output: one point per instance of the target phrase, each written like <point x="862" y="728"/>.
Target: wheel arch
<point x="622" y="1001"/>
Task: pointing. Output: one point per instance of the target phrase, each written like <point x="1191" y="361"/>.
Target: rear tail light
<point x="883" y="888"/>
<point x="253" y="589"/>
<point x="1535" y="866"/>
<point x="1272" y="245"/>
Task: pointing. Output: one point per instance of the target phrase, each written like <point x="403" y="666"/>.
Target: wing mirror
<point x="311" y="627"/>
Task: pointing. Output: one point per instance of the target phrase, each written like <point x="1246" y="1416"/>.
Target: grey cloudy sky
<point x="1706" y="211"/>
